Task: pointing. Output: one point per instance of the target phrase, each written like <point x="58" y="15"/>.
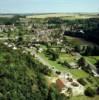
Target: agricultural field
<point x="69" y="16"/>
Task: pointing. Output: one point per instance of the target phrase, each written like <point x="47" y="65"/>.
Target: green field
<point x="67" y="57"/>
<point x="78" y="41"/>
<point x="92" y="59"/>
<point x="84" y="98"/>
<point x="63" y="15"/>
<point x="75" y="72"/>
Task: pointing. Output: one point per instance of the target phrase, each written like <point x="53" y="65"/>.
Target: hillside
<point x="22" y="77"/>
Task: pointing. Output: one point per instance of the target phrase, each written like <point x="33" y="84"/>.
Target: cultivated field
<point x="63" y="15"/>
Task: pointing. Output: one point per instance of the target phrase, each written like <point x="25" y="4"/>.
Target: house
<point x="63" y="50"/>
<point x="14" y="48"/>
<point x="5" y="43"/>
<point x="10" y="45"/>
<point x="7" y="28"/>
<point x="81" y="31"/>
<point x="40" y="50"/>
<point x="60" y="84"/>
<point x="73" y="65"/>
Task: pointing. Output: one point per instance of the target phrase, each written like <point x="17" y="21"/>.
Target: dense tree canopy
<point x="21" y="76"/>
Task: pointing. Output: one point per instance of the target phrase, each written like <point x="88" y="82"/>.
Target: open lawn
<point x="67" y="57"/>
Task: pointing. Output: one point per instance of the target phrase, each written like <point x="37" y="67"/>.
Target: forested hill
<point x="22" y="77"/>
<point x="89" y="31"/>
<point x="89" y="35"/>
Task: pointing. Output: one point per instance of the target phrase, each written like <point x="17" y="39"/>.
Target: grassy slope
<point x="84" y="98"/>
<point x="76" y="73"/>
<point x="92" y="59"/>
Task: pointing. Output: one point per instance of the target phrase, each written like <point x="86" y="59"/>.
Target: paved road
<point x="33" y="52"/>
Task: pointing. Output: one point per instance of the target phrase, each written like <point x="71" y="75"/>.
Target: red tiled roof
<point x="60" y="84"/>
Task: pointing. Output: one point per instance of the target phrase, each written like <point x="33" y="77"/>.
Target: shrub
<point x="58" y="72"/>
<point x="70" y="79"/>
<point x="82" y="81"/>
<point x="53" y="55"/>
<point x="90" y="80"/>
<point x="74" y="84"/>
<point x="66" y="64"/>
<point x="97" y="90"/>
<point x="90" y="92"/>
<point x="81" y="62"/>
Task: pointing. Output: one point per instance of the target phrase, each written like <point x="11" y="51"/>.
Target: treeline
<point x="74" y="23"/>
<point x="89" y="35"/>
<point x="10" y="20"/>
<point x="90" y="30"/>
<point x="83" y="28"/>
<point x="87" y="50"/>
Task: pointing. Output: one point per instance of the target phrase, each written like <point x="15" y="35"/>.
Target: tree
<point x="90" y="92"/>
<point x="82" y="81"/>
<point x="88" y="51"/>
<point x="97" y="90"/>
<point x="21" y="76"/>
<point x="20" y="39"/>
<point x="52" y="54"/>
<point x="55" y="56"/>
<point x="67" y="64"/>
<point x="97" y="64"/>
<point x="82" y="62"/>
<point x="54" y="94"/>
<point x="77" y="48"/>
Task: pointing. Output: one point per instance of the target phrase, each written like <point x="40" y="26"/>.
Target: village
<point x="66" y="80"/>
<point x="71" y="71"/>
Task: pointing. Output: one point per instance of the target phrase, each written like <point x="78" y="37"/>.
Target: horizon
<point x="41" y="13"/>
<point x="46" y="6"/>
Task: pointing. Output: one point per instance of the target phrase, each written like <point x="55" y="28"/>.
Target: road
<point x="33" y="52"/>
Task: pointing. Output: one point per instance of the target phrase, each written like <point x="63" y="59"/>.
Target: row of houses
<point x="7" y="28"/>
<point x="10" y="45"/>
